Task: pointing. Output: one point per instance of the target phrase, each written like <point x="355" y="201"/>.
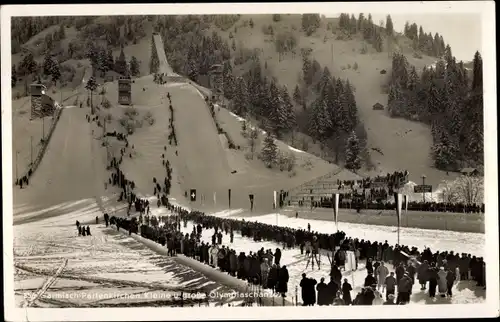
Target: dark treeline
<point x="330" y="111"/>
<point x="374" y="34"/>
<point x="425" y="42"/>
<point x="447" y="100"/>
<point x="116" y="31"/>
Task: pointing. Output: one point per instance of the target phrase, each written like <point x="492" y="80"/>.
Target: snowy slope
<point x="103" y="270"/>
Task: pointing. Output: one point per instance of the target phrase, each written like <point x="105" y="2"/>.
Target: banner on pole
<point x="192" y="194"/>
<point x="251" y="201"/>
<point x="274" y="199"/>
<point x="336" y="209"/>
<point x="215" y="198"/>
<point x="229" y="196"/>
<point x="351" y="261"/>
<point x="398" y="198"/>
<point x="405" y="199"/>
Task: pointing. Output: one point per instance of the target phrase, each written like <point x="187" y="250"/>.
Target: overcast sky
<point x="461" y="31"/>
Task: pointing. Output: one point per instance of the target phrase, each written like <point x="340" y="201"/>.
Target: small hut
<point x="378" y="107"/>
<point x="469" y="172"/>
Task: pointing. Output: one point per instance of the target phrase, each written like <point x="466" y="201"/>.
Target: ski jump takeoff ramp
<point x="201" y="162"/>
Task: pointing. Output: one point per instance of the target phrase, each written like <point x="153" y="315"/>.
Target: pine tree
<point x="317" y="119"/>
<point x="351" y="108"/>
<point x="407" y="30"/>
<point x="62" y="32"/>
<point x="326" y="79"/>
<point x="91" y="86"/>
<point x="277" y="115"/>
<point x="297" y="97"/>
<point x="110" y="61"/>
<point x="445" y="152"/>
<point x="307" y="71"/>
<point x="13" y="76"/>
<point x="389" y="27"/>
<point x="241" y="100"/>
<point x="55" y="73"/>
<point x="192" y="64"/>
<point x="475" y="142"/>
<point x="229" y="80"/>
<point x="378" y="43"/>
<point x="48" y="65"/>
<point x="134" y="66"/>
<point x="353" y="149"/>
<point x="121" y="64"/>
<point x="269" y="152"/>
<point x="361" y="21"/>
<point x="291" y="119"/>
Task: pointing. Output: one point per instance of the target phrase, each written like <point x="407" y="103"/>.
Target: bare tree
<point x="465" y="189"/>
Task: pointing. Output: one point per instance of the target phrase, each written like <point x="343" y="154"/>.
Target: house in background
<point x="378" y="107"/>
<point x="469" y="172"/>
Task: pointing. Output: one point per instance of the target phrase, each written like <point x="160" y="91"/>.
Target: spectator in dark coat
<point x="422" y="274"/>
<point x="277" y="256"/>
<point x="323" y="292"/>
<point x="308" y="291"/>
<point x="370" y="280"/>
<point x="450" y="280"/>
<point x="390" y="285"/>
<point x="346" y="292"/>
<point x="283" y="277"/>
<point x="333" y="288"/>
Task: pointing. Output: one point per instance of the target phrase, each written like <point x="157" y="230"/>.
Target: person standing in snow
<point x="215" y="254"/>
<point x="442" y="283"/>
<point x="390" y="285"/>
<point x="322" y="289"/>
<point x="450" y="280"/>
<point x="422" y="274"/>
<point x="404" y="289"/>
<point x="381" y="272"/>
<point x="264" y="272"/>
<point x="433" y="280"/>
<point x="277" y="256"/>
<point x="346" y="292"/>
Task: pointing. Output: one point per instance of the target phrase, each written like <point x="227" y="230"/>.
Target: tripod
<point x="313" y="256"/>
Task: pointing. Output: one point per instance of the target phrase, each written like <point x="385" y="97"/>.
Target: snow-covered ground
<point x="464" y="292"/>
<point x="54" y="267"/>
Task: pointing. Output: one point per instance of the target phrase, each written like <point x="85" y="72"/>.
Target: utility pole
<point x="331" y="50"/>
<point x="31" y="148"/>
<point x="43" y="128"/>
<point x="423" y="183"/>
<point x="222" y="72"/>
<point x="17" y="173"/>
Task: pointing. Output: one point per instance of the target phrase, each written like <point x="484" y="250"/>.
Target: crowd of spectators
<point x="438" y="271"/>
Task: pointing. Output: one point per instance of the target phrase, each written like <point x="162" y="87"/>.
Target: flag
<point x="251" y="201"/>
<point x="215" y="197"/>
<point x="398" y="199"/>
<point x="336" y="209"/>
<point x="229" y="196"/>
<point x="274" y="199"/>
<point x="405" y="199"/>
<point x="192" y="194"/>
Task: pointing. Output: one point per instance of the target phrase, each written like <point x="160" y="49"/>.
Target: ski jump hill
<point x="203" y="162"/>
